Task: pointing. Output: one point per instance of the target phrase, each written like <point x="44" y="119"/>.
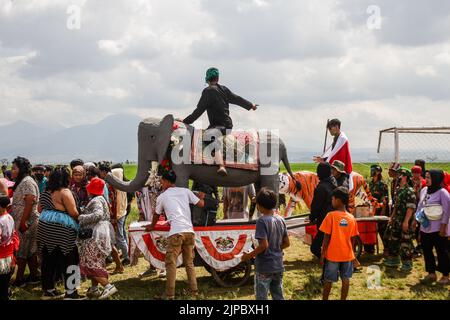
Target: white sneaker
<point x="108" y="292"/>
<point x="162" y="274"/>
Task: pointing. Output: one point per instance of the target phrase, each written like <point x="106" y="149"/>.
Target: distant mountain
<point x="114" y="138"/>
<point x="22" y="131"/>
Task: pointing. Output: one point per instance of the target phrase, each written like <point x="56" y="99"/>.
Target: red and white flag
<point x="341" y="152"/>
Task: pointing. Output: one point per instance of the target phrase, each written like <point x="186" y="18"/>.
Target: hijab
<point x="324" y="173"/>
<point x="323" y="170"/>
<point x="82" y="171"/>
<point x="437" y="177"/>
<point x="79" y="169"/>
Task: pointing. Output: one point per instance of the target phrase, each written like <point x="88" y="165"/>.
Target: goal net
<point x="405" y="145"/>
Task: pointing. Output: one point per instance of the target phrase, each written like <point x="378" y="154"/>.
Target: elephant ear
<point x="163" y="139"/>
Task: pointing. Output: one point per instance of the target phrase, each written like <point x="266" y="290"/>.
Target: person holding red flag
<point x="339" y="149"/>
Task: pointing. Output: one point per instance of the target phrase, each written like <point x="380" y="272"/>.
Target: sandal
<point x="443" y="281"/>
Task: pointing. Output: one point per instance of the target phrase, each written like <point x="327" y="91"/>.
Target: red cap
<point x="416" y="169"/>
<point x="96" y="186"/>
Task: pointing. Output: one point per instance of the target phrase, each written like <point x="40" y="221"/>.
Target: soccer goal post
<point x="431" y="144"/>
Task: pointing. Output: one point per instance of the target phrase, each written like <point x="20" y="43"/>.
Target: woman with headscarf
<point x="78" y="186"/>
<point x="321" y="203"/>
<point x="26" y="215"/>
<point x="434" y="206"/>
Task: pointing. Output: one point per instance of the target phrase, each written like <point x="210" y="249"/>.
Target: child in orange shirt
<point x="340" y="229"/>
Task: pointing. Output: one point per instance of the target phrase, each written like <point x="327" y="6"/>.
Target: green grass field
<point x="362" y="168"/>
<point x="301" y="281"/>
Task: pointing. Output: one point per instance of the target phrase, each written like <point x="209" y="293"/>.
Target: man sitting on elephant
<point x="215" y="101"/>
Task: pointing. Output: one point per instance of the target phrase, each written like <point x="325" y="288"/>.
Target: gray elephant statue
<point x="154" y="137"/>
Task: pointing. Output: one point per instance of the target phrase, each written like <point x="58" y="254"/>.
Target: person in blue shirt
<point x="39" y="175"/>
<point x="273" y="238"/>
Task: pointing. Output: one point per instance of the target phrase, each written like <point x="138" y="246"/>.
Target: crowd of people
<point x="60" y="220"/>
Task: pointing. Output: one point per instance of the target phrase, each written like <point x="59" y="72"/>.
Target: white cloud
<point x="426" y="71"/>
<point x="302" y="61"/>
<point x="112" y="47"/>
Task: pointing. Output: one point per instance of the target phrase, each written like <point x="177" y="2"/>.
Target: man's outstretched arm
<point x="239" y="101"/>
<point x="201" y="108"/>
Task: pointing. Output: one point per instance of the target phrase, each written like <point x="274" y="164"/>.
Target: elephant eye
<point x="152" y="137"/>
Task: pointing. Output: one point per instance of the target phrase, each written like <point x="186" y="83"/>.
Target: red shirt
<point x="7" y="250"/>
<point x="447" y="181"/>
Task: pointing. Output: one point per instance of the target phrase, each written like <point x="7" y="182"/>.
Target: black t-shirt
<point x="215" y="101"/>
<point x="321" y="203"/>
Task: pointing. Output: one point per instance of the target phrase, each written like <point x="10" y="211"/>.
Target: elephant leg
<point x="182" y="176"/>
<point x="271" y="182"/>
<point x="257" y="185"/>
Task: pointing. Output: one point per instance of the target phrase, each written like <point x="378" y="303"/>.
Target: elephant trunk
<point x="134" y="185"/>
<point x="287" y="165"/>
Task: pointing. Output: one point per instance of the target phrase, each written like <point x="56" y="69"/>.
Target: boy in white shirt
<point x="175" y="202"/>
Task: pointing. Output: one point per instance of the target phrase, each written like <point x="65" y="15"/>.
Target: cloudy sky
<point x="301" y="61"/>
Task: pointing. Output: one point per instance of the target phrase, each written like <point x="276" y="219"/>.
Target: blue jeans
<point x="333" y="270"/>
<point x="269" y="282"/>
<point x="121" y="235"/>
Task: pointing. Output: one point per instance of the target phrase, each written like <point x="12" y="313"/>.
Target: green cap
<point x="339" y="166"/>
<point x="376" y="167"/>
<point x="404" y="171"/>
<point x="211" y="73"/>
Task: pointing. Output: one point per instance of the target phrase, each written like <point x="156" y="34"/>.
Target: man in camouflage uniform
<point x="379" y="190"/>
<point x="394" y="182"/>
<point x="400" y="230"/>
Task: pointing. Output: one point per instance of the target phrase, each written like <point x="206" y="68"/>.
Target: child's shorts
<point x="333" y="270"/>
